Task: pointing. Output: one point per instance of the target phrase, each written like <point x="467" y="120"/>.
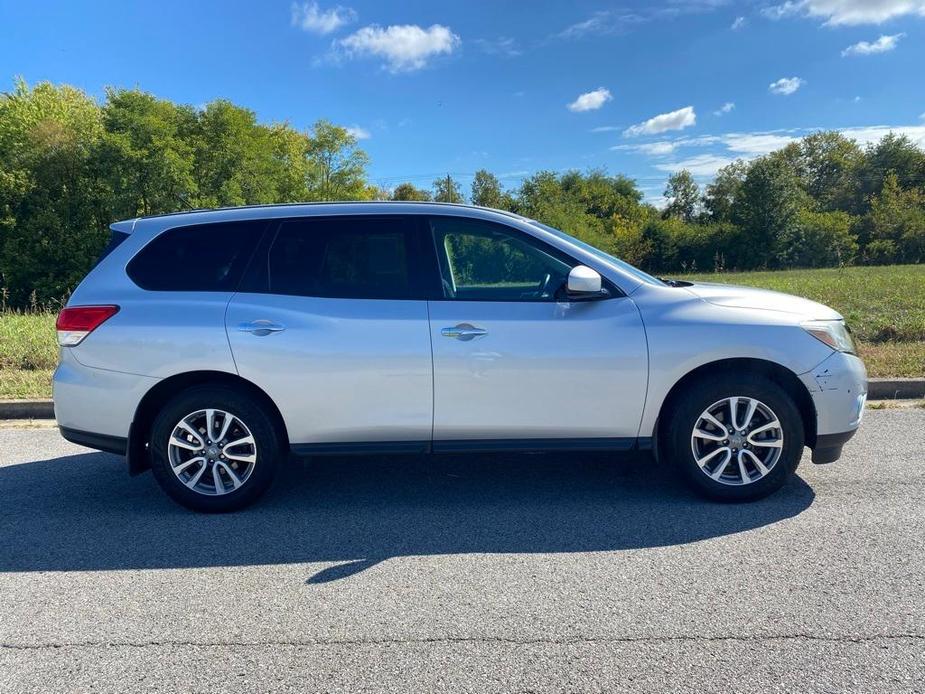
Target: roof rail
<point x="332" y="203"/>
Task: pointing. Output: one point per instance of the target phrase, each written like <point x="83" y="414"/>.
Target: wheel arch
<point x="165" y="389"/>
<point x="781" y="375"/>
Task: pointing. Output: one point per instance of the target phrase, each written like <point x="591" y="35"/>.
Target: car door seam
<point x="433" y="376"/>
<point x="234" y="361"/>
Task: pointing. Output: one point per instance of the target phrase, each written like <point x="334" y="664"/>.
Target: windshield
<point x="606" y="257"/>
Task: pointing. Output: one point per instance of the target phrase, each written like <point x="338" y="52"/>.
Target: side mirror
<point x="584" y="283"/>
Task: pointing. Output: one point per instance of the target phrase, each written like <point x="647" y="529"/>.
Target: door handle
<point x="261" y="327"/>
<point x="464" y="332"/>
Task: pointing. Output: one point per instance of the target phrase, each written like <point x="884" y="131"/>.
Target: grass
<point x="28" y="354"/>
<point x="885" y="307"/>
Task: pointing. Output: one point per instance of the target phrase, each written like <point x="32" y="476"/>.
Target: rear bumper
<point x="101" y="442"/>
<point x="96" y="400"/>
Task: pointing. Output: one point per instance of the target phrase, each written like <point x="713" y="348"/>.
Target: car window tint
<point x="349" y="257"/>
<point x="481" y="261"/>
<point x="203" y="257"/>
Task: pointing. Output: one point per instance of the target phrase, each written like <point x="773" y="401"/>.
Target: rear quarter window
<point x="196" y="258"/>
<point x="115" y="240"/>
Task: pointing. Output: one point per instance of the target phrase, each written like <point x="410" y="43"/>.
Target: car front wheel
<point x="213" y="449"/>
<point x="735" y="439"/>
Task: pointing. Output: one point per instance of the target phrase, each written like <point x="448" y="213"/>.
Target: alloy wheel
<point x="737" y="440"/>
<point x="212" y="452"/>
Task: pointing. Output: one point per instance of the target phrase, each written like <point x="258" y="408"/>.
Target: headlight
<point x="832" y="332"/>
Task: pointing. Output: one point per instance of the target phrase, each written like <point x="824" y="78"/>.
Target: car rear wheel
<point x="735" y="438"/>
<point x="214" y="449"/>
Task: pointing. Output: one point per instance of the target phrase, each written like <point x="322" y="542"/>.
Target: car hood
<point x="734" y="296"/>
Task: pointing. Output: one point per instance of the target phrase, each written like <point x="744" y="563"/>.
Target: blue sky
<point x="641" y="88"/>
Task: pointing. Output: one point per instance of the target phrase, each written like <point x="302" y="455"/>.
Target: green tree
<point x="602" y="210"/>
<point x="896" y="224"/>
<point x="289" y="153"/>
<point x="337" y="167"/>
<point x="147" y="154"/>
<point x="54" y="203"/>
<point x="487" y="191"/>
<point x="234" y="162"/>
<point x="765" y="207"/>
<point x="447" y="190"/>
<point x="603" y="196"/>
<point x="683" y="195"/>
<point x="721" y="194"/>
<point x="819" y="239"/>
<point x="829" y="165"/>
<point x="895" y="154"/>
<point x="407" y="191"/>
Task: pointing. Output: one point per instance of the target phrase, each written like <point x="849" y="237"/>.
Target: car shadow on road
<point x="83" y="512"/>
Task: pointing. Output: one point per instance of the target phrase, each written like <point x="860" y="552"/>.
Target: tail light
<point x="76" y="322"/>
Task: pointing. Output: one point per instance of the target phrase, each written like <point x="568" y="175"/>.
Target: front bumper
<point x="838" y="387"/>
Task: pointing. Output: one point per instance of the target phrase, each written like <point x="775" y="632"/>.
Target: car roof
<point x="307" y="209"/>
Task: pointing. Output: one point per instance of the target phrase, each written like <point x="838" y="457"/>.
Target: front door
<point x="332" y="325"/>
<point x="517" y="366"/>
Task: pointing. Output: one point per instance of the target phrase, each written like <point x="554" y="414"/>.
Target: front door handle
<point x="464" y="332"/>
<point x="261" y="327"/>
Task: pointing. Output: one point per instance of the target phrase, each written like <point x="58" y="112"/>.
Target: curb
<point x="27" y="409"/>
<point x="895" y="388"/>
<point x="877" y="389"/>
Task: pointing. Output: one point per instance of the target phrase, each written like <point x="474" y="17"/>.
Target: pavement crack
<point x="451" y="640"/>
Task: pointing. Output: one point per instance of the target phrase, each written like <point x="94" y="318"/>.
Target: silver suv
<point x="208" y="346"/>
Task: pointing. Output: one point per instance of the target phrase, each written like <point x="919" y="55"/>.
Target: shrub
<point x="819" y="239"/>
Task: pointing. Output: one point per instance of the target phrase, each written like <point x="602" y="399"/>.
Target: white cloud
<point x="619" y="21"/>
<point x="725" y="108"/>
<point x="652" y="149"/>
<point x="676" y="120"/>
<point x="590" y="101"/>
<point x="871" y="134"/>
<point x="403" y="47"/>
<point x="787" y="9"/>
<point x="310" y="17"/>
<point x="358" y="132"/>
<point x="664" y="147"/>
<point x="602" y="22"/>
<point x="786" y="85"/>
<point x="885" y="43"/>
<point x="847" y="12"/>
<point x="755" y="144"/>
<point x="701" y="165"/>
<point x="657" y="149"/>
<point x="728" y="147"/>
<point x="606" y="129"/>
<point x="513" y="174"/>
<point x="503" y="45"/>
<point x="738" y="23"/>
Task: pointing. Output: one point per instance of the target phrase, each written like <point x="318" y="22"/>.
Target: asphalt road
<point x="452" y="574"/>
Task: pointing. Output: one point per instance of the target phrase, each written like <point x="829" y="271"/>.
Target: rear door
<point x="515" y="365"/>
<point x="332" y="323"/>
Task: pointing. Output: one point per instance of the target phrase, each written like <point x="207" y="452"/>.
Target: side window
<point x="198" y="258"/>
<point x="481" y="261"/>
<point x="347" y="257"/>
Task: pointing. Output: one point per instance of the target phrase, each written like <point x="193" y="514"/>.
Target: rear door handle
<point x="261" y="327"/>
<point x="464" y="332"/>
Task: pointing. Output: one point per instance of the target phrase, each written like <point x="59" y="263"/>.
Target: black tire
<point x="267" y="447"/>
<point x="703" y="393"/>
